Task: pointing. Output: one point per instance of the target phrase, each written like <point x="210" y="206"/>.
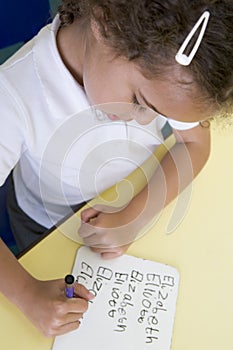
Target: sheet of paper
<point x="134" y="307"/>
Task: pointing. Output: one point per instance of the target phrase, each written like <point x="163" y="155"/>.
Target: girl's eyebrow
<point x="150" y="105"/>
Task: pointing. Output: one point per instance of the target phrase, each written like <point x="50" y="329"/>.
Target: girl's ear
<point x="98" y="25"/>
<point x="95" y="27"/>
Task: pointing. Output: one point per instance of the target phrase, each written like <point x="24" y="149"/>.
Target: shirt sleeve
<point x="12" y="131"/>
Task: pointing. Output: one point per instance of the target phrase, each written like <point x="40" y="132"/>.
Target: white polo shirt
<point x="62" y="150"/>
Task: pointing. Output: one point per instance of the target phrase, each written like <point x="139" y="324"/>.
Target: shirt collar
<point x="62" y="93"/>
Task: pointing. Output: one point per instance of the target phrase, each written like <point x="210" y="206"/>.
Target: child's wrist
<point x="26" y="291"/>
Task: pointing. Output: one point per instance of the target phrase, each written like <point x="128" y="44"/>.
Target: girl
<point x="170" y="59"/>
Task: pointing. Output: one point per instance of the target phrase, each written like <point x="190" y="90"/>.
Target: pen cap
<point x="69" y="279"/>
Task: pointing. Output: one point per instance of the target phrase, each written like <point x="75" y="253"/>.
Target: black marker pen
<point x="69" y="280"/>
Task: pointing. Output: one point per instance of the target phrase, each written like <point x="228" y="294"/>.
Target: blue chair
<point x="21" y="20"/>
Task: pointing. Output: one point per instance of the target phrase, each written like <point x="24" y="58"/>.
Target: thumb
<point x="88" y="214"/>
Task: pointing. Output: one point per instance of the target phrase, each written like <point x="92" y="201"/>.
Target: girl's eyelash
<point x="137" y="105"/>
<point x="135" y="100"/>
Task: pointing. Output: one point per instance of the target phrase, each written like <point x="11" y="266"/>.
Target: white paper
<point x="134" y="307"/>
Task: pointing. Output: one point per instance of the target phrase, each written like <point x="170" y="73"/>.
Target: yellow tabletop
<point x="200" y="248"/>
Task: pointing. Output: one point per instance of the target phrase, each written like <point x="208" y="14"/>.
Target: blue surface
<point x="21" y="20"/>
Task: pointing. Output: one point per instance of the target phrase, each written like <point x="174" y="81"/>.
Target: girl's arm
<point x="43" y="302"/>
<point x="111" y="233"/>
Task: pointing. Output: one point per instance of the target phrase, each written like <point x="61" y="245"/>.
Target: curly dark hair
<point x="150" y="32"/>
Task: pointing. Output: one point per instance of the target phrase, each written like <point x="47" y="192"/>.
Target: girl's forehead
<point x="174" y="100"/>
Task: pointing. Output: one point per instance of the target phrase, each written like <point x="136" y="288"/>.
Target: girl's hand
<point x="47" y="307"/>
<point x="109" y="234"/>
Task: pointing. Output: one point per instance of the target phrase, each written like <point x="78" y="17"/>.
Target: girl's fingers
<point x="66" y="328"/>
<point x="87" y="229"/>
<point x="76" y="305"/>
<point x="111" y="255"/>
<point x="82" y="292"/>
<point x="88" y="214"/>
<point x="72" y="317"/>
<point x="92" y="240"/>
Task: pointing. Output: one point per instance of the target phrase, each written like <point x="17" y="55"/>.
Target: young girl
<point x="154" y="62"/>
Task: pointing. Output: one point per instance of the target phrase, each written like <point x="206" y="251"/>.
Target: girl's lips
<point x="113" y="117"/>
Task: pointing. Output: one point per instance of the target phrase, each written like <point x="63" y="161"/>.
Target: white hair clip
<point x="183" y="59"/>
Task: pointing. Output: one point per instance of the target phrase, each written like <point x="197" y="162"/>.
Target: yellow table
<point x="200" y="247"/>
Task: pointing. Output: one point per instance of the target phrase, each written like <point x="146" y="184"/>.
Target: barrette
<point x="183" y="59"/>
